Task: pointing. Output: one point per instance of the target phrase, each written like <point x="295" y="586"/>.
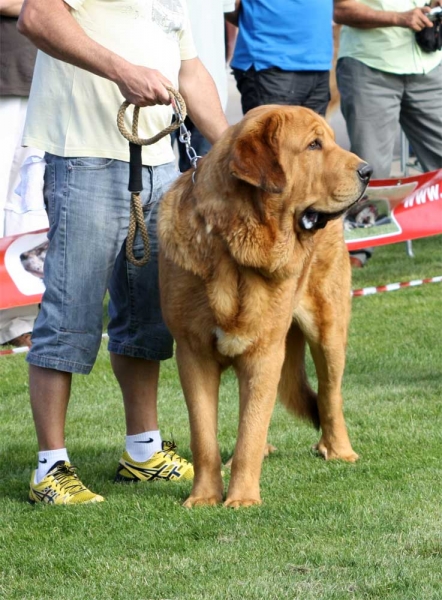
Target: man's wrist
<point x="117" y="69"/>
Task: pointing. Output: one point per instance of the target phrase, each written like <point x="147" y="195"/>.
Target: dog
<point x="252" y="266"/>
<point x="33" y="260"/>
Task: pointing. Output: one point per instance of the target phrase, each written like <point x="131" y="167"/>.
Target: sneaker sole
<point x="93" y="501"/>
<point x="122" y="479"/>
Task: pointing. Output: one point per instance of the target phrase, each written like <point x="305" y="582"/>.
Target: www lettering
<point x="422" y="196"/>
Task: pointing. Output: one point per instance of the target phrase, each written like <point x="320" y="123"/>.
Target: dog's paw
<point x="194" y="501"/>
<point x="269" y="449"/>
<point x="329" y="452"/>
<point x="242" y="503"/>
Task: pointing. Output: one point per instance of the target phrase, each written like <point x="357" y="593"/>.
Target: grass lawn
<point x="326" y="530"/>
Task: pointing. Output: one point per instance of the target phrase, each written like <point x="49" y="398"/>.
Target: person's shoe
<point x="356" y="262"/>
<point x="61" y="486"/>
<point x="21" y="341"/>
<point x="165" y="464"/>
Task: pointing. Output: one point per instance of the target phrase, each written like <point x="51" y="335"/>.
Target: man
<point x="283" y="52"/>
<point x="384" y="78"/>
<point x="207" y="23"/>
<point x="94" y="55"/>
<point x="17" y="59"/>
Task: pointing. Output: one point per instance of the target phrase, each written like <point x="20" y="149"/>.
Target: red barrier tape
<point x="391" y="287"/>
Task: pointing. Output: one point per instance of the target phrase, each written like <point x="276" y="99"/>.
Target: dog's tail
<point x="295" y="392"/>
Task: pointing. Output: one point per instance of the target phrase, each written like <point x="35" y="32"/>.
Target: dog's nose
<point x="365" y="171"/>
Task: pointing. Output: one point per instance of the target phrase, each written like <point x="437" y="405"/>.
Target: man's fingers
<point x="425" y="21"/>
<point x="163" y="95"/>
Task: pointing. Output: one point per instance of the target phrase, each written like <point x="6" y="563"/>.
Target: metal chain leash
<point x="185" y="138"/>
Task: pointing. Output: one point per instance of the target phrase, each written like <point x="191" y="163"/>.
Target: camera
<point x="435" y="14"/>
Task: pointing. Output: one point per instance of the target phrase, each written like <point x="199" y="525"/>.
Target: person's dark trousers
<point x="197" y="141"/>
<point x="310" y="89"/>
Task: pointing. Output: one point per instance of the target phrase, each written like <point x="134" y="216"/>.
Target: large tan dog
<point x="252" y="264"/>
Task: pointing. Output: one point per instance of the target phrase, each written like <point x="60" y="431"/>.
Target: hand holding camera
<point x="430" y="38"/>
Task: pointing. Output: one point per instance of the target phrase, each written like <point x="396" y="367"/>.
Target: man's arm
<point x="51" y="27"/>
<point x="10" y="8"/>
<point x="356" y="14"/>
<point x="233" y="17"/>
<point x="201" y="96"/>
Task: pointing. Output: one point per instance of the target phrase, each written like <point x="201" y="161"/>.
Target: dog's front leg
<point x="258" y="383"/>
<point x="200" y="379"/>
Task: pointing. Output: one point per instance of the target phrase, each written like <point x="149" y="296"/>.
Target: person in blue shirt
<point x="283" y="52"/>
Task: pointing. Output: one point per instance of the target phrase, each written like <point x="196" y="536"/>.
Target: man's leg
<point x="68" y="329"/>
<point x="421" y="117"/>
<point x="138" y="379"/>
<point x="138" y="340"/>
<point x="370" y="103"/>
<point x="290" y="88"/>
<point x="55" y="480"/>
<point x="50" y="391"/>
<point x="319" y="94"/>
<point x="246" y="84"/>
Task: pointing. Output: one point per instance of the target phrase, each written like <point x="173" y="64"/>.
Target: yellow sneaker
<point x="61" y="486"/>
<point x="165" y="464"/>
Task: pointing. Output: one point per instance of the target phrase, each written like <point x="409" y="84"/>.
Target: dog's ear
<point x="255" y="155"/>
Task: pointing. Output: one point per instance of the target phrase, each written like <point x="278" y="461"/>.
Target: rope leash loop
<point x="136" y="220"/>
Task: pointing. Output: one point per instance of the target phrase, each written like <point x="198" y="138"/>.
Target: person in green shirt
<point x="385" y="79"/>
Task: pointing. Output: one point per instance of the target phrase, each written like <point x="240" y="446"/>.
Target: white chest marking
<point x="230" y="344"/>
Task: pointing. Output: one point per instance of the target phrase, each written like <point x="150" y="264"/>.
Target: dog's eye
<point x="315" y="145"/>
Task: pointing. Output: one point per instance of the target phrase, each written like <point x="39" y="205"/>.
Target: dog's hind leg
<point x="200" y="379"/>
<point x="258" y="382"/>
<point x="295" y="392"/>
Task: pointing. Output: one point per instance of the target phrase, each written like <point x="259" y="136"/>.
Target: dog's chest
<point x="260" y="311"/>
<point x="231" y="344"/>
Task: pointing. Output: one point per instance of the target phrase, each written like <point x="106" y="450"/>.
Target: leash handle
<point x="136" y="143"/>
<point x="180" y="110"/>
<point x="135" y="168"/>
<point x="136" y="220"/>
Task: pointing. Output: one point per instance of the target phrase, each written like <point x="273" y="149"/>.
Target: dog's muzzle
<point x="311" y="220"/>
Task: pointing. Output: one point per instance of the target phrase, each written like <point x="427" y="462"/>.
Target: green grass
<point x="326" y="531"/>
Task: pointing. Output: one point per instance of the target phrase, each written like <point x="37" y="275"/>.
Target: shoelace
<point x="169" y="449"/>
<point x="68" y="479"/>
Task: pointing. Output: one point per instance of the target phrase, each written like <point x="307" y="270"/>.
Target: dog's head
<point x="291" y="152"/>
<point x="270" y="182"/>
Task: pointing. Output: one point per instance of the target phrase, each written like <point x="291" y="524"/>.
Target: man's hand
<point x="414" y="19"/>
<point x="357" y="14"/>
<point x="142" y="86"/>
<point x="10" y="8"/>
<point x="50" y="25"/>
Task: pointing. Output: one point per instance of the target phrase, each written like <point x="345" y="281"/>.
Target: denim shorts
<point x="88" y="206"/>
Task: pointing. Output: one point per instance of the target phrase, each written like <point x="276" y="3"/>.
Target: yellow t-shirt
<point x="72" y="112"/>
<point x="390" y="49"/>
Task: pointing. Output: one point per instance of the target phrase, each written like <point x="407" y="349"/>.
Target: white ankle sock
<point x="143" y="445"/>
<point x="47" y="459"/>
